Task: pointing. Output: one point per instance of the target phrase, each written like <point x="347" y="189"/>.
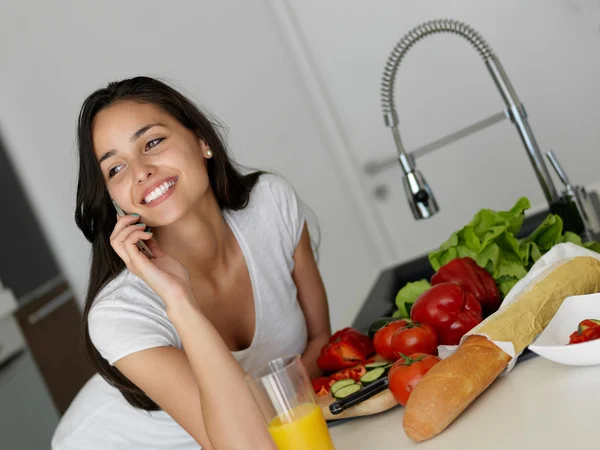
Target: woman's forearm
<point x="311" y="353"/>
<point x="231" y="417"/>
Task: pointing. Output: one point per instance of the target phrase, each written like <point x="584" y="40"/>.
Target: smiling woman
<point x="232" y="282"/>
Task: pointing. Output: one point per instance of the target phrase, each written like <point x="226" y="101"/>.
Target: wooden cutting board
<point x="376" y="404"/>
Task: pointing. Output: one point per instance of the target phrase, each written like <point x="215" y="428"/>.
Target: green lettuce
<point x="407" y="296"/>
<point x="490" y="239"/>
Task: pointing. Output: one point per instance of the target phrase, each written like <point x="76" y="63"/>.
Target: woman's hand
<point x="163" y="273"/>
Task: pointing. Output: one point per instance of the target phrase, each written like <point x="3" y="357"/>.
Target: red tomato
<point x="382" y="341"/>
<point x="449" y="309"/>
<point x="415" y="338"/>
<point x="406" y="373"/>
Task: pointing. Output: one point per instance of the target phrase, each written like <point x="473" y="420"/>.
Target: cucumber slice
<point x="340" y="384"/>
<point x="372" y="375"/>
<point x="375" y="365"/>
<point x="347" y="390"/>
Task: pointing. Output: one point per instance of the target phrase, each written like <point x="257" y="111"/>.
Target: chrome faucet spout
<point x="514" y="109"/>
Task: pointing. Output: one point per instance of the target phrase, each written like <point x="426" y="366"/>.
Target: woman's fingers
<point x="119" y="240"/>
<point x="122" y="223"/>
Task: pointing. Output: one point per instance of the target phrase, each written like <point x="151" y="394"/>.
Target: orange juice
<point x="308" y="430"/>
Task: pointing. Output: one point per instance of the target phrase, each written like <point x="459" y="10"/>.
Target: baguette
<point x="451" y="385"/>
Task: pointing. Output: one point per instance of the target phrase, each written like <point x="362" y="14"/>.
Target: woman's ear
<point x="206" y="151"/>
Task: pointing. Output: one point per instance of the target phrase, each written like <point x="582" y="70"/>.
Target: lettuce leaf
<point x="407" y="296"/>
<point x="490" y="239"/>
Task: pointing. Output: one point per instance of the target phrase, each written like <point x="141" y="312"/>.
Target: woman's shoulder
<point x="125" y="290"/>
<point x="127" y="316"/>
<point x="273" y="186"/>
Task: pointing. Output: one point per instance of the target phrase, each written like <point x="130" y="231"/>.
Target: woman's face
<point x="153" y="166"/>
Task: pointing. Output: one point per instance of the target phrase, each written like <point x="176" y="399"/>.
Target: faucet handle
<point x="558" y="168"/>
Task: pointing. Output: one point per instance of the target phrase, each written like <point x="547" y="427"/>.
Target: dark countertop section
<point x="380" y="301"/>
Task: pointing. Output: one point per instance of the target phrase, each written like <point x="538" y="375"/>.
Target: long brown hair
<point x="95" y="215"/>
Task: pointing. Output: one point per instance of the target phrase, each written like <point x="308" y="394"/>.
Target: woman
<point x="232" y="283"/>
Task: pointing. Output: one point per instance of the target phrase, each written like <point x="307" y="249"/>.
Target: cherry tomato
<point x="415" y="338"/>
<point x="406" y="373"/>
<point x="382" y="341"/>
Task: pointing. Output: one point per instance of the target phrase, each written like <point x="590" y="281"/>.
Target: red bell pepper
<point x="321" y="385"/>
<point x="346" y="348"/>
<point x="474" y="279"/>
<point x="354" y="337"/>
<point x="450" y="309"/>
<point x="588" y="330"/>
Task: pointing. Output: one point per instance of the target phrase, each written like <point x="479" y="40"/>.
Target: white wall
<point x="549" y="49"/>
<point x="227" y="55"/>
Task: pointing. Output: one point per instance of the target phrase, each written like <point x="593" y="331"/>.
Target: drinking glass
<point x="285" y="397"/>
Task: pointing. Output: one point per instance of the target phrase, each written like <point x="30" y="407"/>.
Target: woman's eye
<point x="153" y="143"/>
<point x="112" y="172"/>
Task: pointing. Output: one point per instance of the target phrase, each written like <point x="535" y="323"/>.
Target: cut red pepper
<point x="449" y="309"/>
<point x="346" y="348"/>
<point x="354" y="337"/>
<point x="588" y="330"/>
<point x="473" y="279"/>
<point x="321" y="385"/>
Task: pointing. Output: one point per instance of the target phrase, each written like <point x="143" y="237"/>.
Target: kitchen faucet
<point x="573" y="206"/>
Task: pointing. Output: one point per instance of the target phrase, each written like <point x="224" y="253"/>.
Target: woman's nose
<point x="143" y="171"/>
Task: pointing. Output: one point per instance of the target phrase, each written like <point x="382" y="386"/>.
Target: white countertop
<point x="539" y="405"/>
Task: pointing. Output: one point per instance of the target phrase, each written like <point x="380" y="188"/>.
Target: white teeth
<point x="159" y="191"/>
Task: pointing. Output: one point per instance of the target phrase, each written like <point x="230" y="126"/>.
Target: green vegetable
<point x="372" y="375"/>
<point x="347" y="390"/>
<point x="376" y="365"/>
<point x="490" y="239"/>
<point x="408" y="295"/>
<point x="340" y="384"/>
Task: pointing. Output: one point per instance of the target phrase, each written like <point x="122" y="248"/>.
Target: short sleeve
<point x="291" y="207"/>
<point x="127" y="321"/>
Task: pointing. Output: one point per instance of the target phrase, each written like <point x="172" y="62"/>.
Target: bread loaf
<point x="451" y="385"/>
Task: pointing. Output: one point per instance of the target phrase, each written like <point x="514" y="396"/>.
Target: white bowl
<point x="552" y="342"/>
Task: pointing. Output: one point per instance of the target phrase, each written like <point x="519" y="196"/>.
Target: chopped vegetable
<point x="346" y="391"/>
<point x="372" y="375"/>
<point x="340" y="384"/>
<point x="588" y="330"/>
<point x="321" y="385"/>
<point x="376" y="365"/>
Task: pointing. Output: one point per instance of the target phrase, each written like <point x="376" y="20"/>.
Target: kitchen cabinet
<point x="48" y="367"/>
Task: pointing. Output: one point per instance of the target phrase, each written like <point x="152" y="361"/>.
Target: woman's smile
<point x="159" y="192"/>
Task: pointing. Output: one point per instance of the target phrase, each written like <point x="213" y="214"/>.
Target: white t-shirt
<point x="127" y="316"/>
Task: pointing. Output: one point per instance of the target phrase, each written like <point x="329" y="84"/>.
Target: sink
<point x="380" y="300"/>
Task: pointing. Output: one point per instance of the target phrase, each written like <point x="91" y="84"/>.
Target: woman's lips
<point x="159" y="192"/>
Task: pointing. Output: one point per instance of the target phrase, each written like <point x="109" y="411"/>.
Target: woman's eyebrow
<point x="134" y="137"/>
